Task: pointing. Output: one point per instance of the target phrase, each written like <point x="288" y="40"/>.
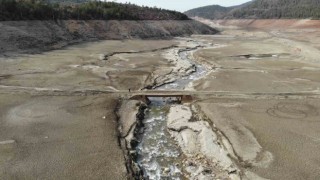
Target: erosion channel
<point x="170" y="139"/>
<point x="159" y="156"/>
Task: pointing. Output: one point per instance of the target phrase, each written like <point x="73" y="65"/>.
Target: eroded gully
<point x="159" y="155"/>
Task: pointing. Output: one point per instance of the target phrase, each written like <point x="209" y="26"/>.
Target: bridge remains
<point x="178" y="98"/>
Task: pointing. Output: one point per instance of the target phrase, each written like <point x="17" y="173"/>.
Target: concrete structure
<point x="180" y="98"/>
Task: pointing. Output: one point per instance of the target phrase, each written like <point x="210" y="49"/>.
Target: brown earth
<point x="67" y="135"/>
<point x="59" y="137"/>
<point x="283" y="132"/>
<point x="267" y="105"/>
<point x="266" y="23"/>
<point x="270" y="23"/>
<point x="37" y="36"/>
<point x="273" y="135"/>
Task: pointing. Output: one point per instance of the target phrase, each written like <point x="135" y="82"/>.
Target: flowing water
<point x="158" y="154"/>
<point x="184" y="81"/>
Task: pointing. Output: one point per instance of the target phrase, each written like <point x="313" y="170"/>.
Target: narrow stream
<point x="184" y="81"/>
<point x="158" y="154"/>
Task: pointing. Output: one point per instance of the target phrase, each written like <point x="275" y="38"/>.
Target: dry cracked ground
<point x="261" y="92"/>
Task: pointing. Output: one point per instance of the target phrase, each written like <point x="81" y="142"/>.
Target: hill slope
<point x="209" y="12"/>
<point x="38" y="36"/>
<point x="39" y="25"/>
<point x="67" y="1"/>
<point x="91" y="10"/>
<point x="266" y="9"/>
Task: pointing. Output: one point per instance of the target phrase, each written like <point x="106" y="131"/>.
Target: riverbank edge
<point x="128" y="138"/>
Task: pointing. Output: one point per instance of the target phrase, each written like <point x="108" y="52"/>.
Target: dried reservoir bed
<point x="254" y="113"/>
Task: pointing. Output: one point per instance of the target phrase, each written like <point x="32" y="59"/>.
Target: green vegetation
<point x="262" y="9"/>
<point x="67" y="1"/>
<point x="267" y="9"/>
<point x="209" y="12"/>
<point x="97" y="10"/>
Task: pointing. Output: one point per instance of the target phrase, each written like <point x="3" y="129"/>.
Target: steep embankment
<point x="36" y="36"/>
<point x="267" y="23"/>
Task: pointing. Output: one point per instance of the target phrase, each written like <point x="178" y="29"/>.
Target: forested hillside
<point x="67" y="1"/>
<point x="97" y="10"/>
<point x="262" y="9"/>
<point x="267" y="9"/>
<point x="209" y="12"/>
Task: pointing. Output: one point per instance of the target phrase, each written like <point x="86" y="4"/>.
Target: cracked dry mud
<point x="254" y="115"/>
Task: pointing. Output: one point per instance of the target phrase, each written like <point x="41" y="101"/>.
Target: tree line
<point x="208" y="12"/>
<point x="262" y="9"/>
<point x="13" y="10"/>
<point x="267" y="9"/>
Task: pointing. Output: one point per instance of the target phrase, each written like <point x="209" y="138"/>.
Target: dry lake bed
<point x="250" y="110"/>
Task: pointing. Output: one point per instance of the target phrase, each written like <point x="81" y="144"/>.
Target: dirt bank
<point x="35" y="36"/>
<point x="264" y="23"/>
<point x="130" y="115"/>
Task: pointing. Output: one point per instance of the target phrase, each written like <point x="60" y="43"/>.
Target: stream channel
<point x="159" y="156"/>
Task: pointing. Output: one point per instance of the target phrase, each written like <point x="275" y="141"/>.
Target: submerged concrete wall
<point x="180" y="98"/>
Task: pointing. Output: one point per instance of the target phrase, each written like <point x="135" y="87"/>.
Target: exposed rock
<point x="188" y="141"/>
<point x="131" y="113"/>
<point x="181" y="68"/>
<point x="127" y="116"/>
<point x="243" y="141"/>
<point x="37" y="36"/>
<point x="198" y="138"/>
<point x="102" y="57"/>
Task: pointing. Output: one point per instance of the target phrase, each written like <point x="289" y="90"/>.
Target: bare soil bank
<point x="37" y="36"/>
<point x="268" y="23"/>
